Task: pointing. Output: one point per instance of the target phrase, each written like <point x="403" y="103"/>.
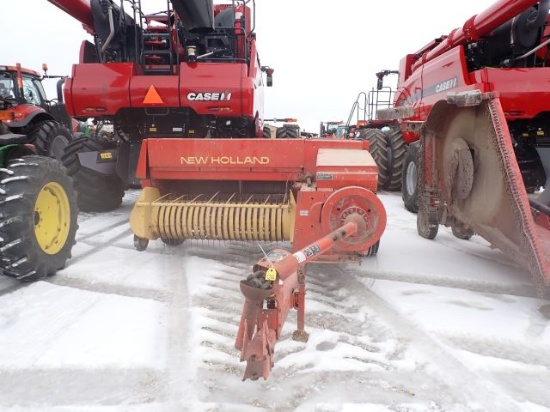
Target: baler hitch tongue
<point x="276" y="285"/>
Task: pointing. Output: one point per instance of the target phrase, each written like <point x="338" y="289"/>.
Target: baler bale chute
<point x="470" y="180"/>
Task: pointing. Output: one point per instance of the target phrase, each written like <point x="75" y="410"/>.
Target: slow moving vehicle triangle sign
<point x="152" y="96"/>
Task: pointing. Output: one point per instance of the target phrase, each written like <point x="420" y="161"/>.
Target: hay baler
<point x="184" y="91"/>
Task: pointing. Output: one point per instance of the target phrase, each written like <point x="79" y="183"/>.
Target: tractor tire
<point x="267" y="132"/>
<point x="96" y="192"/>
<point x="379" y="152"/>
<point x="288" y="131"/>
<point x="50" y="138"/>
<point x="409" y="183"/>
<point x="39" y="215"/>
<point x="398" y="151"/>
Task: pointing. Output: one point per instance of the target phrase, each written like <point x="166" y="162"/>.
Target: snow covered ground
<point x="442" y="325"/>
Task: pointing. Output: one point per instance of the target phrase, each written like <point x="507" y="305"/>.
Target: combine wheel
<point x="50" y="138"/>
<point x="397" y="156"/>
<point x="140" y="243"/>
<point x="409" y="182"/>
<point x="462" y="232"/>
<point x="96" y="192"/>
<point x="288" y="131"/>
<point x="379" y="152"/>
<point x="38" y="222"/>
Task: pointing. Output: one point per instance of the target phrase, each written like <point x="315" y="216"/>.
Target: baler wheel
<point x="39" y="217"/>
<point x="371" y="251"/>
<point x="398" y="152"/>
<point x="96" y="192"/>
<point x="50" y="138"/>
<point x="409" y="183"/>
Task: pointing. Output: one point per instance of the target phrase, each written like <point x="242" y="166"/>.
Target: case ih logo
<point x="209" y="97"/>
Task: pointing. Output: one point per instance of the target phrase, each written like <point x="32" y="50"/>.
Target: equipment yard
<point x="426" y="325"/>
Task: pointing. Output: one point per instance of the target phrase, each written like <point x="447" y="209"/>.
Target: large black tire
<point x="398" y="150"/>
<point x="409" y="183"/>
<point x="267" y="132"/>
<point x="96" y="192"/>
<point x="291" y="131"/>
<point x="379" y="151"/>
<point x="39" y="215"/>
<point x="50" y="138"/>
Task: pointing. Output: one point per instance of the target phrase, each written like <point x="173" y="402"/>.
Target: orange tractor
<point x="184" y="91"/>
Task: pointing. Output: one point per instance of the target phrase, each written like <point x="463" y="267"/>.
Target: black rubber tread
<point x="96" y="192"/>
<point x="398" y="151"/>
<point x="172" y="242"/>
<point x="267" y="132"/>
<point x="21" y="180"/>
<point x="379" y="151"/>
<point x="50" y="138"/>
<point x="372" y="251"/>
<point x="410" y="199"/>
<point x="291" y="131"/>
<point x="462" y="232"/>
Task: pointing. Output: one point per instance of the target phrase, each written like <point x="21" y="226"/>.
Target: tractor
<point x="38" y="207"/>
<point x="44" y="122"/>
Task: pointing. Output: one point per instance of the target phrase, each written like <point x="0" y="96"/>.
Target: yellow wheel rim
<point x="52" y="215"/>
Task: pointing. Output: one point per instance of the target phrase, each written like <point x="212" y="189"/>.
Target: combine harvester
<point x="184" y="91"/>
<point x="474" y="110"/>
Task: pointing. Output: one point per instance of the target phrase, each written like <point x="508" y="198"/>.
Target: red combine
<point x="473" y="108"/>
<point x="184" y="92"/>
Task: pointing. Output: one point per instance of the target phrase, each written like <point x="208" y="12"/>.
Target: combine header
<point x="473" y="108"/>
<point x="184" y="91"/>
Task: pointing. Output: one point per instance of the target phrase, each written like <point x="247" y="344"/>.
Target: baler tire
<point x="398" y="152"/>
<point x="96" y="192"/>
<point x="379" y="151"/>
<point x="39" y="216"/>
<point x="50" y="138"/>
<point x="409" y="183"/>
<point x="371" y="251"/>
